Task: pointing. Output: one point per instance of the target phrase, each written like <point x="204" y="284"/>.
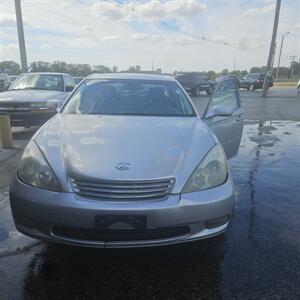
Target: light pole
<point x="21" y="36"/>
<point x="272" y="49"/>
<point x="282" y="39"/>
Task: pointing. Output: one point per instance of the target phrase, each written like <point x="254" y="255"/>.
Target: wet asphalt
<point x="257" y="258"/>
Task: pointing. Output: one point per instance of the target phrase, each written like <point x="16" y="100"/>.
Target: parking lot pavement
<point x="258" y="258"/>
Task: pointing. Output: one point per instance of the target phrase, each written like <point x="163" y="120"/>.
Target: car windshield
<point x="129" y="97"/>
<point x="39" y="82"/>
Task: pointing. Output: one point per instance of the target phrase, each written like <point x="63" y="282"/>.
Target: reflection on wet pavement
<point x="259" y="257"/>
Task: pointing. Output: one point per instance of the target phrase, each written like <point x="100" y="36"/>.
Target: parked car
<point x="254" y="81"/>
<point x="77" y="79"/>
<point x="27" y="100"/>
<point x="194" y="83"/>
<point x="4" y="82"/>
<point x="128" y="162"/>
<point x="298" y="86"/>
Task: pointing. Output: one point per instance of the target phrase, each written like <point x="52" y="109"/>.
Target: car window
<point x="129" y="97"/>
<point x="39" y="82"/>
<point x="225" y="95"/>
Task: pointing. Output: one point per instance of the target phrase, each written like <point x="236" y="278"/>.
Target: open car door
<point x="224" y="116"/>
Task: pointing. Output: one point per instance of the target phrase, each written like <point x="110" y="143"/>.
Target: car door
<point x="227" y="126"/>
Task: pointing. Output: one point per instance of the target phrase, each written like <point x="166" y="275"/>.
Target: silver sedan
<point x="128" y="162"/>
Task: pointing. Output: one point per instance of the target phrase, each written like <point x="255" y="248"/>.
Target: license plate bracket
<point x="120" y="222"/>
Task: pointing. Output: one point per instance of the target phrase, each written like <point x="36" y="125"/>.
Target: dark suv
<point x="254" y="81"/>
<point x="195" y="83"/>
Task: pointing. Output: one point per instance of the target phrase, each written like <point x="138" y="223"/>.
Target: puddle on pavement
<point x="258" y="258"/>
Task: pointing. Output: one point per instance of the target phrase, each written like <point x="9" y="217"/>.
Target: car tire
<point x="251" y="87"/>
<point x="210" y="90"/>
<point x="298" y="89"/>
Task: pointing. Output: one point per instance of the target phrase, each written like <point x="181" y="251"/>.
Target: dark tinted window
<point x="129" y="97"/>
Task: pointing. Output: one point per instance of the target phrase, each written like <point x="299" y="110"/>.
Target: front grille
<point x="120" y="234"/>
<point x="122" y="190"/>
<point x="12" y="106"/>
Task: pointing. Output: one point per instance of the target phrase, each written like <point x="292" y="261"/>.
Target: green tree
<point x="263" y="69"/>
<point x="211" y="75"/>
<point x="59" y="66"/>
<point x="40" y="66"/>
<point x="84" y="69"/>
<point x="131" y="69"/>
<point x="101" y="69"/>
<point x="225" y="72"/>
<point x="10" y="67"/>
<point x="255" y="70"/>
<point x="244" y="73"/>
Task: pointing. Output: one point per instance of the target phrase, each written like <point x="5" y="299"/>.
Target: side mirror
<point x="219" y="111"/>
<point x="69" y="88"/>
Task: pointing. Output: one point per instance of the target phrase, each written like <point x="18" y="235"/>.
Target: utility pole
<point x="21" y="35"/>
<point x="272" y="49"/>
<point x="234" y="63"/>
<point x="282" y="39"/>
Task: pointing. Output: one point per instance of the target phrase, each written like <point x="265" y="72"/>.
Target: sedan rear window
<point x="129" y="97"/>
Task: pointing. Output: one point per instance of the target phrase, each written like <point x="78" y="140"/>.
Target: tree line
<point x="13" y="68"/>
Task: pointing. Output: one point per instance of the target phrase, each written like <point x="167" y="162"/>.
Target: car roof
<point x="132" y="76"/>
<point x="46" y="73"/>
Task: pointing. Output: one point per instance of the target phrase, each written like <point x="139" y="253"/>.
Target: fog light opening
<point x="212" y="223"/>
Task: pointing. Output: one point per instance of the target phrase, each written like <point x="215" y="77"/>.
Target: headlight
<point x="34" y="169"/>
<point x="211" y="172"/>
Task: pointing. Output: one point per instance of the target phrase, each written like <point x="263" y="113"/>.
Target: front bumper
<point x="38" y="213"/>
<point x="29" y="118"/>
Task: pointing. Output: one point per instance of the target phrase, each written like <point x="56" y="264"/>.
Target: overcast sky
<point x="189" y="35"/>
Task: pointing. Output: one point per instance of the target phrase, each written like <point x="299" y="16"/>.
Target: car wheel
<point x="210" y="90"/>
<point x="298" y="89"/>
<point x="251" y="87"/>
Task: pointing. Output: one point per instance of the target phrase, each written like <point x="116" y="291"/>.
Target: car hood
<point x="155" y="147"/>
<point x="31" y="95"/>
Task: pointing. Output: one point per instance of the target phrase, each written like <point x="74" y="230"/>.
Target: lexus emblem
<point x="123" y="166"/>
